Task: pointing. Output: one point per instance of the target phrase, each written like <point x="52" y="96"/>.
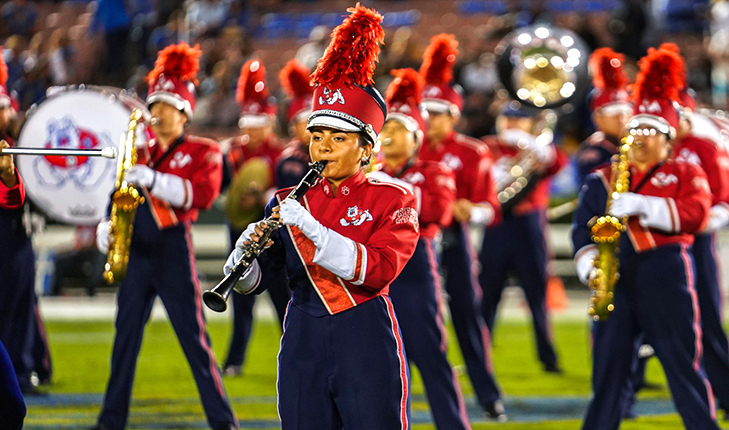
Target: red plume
<point x="294" y="79"/>
<point x="660" y="77"/>
<point x="607" y="69"/>
<point x="407" y="87"/>
<point x="180" y="61"/>
<point x="672" y="47"/>
<point x="352" y="53"/>
<point x="439" y="58"/>
<point x="251" y="83"/>
<point x="3" y="69"/>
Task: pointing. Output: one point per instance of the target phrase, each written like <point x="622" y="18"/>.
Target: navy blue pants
<point x="464" y="300"/>
<point x="346" y="370"/>
<point x="17" y="309"/>
<point x="517" y="247"/>
<point x="716" y="347"/>
<point x="243" y="312"/>
<point x="655" y="297"/>
<point x="166" y="269"/>
<point x="12" y="405"/>
<point x="416" y="295"/>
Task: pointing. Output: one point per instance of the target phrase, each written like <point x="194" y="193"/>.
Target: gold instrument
<point x="606" y="231"/>
<point x="124" y="203"/>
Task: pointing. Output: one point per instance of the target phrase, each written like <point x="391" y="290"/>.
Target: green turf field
<point x="165" y="396"/>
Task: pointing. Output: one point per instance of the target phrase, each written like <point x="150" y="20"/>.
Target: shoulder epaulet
<point x="471" y="143"/>
<point x="399" y="188"/>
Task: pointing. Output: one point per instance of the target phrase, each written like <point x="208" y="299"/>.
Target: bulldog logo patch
<point x="355" y="216"/>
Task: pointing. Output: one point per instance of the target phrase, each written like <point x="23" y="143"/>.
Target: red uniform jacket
<point x="538" y="198"/>
<point x="435" y="188"/>
<point x="687" y="194"/>
<point x="380" y="218"/>
<point x="712" y="159"/>
<point x="12" y="198"/>
<point x="471" y="162"/>
<point x="199" y="162"/>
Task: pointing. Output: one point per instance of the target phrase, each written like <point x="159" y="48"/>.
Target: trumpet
<point x="216" y="298"/>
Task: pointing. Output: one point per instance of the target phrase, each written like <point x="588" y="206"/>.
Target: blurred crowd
<point x="114" y="43"/>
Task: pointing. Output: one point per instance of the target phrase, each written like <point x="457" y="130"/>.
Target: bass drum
<point x="75" y="189"/>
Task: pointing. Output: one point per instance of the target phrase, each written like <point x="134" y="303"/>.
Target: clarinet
<point x="216" y="298"/>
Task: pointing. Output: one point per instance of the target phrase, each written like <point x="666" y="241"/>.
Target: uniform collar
<point x="346" y="187"/>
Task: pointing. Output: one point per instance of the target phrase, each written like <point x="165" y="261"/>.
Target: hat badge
<point x="164" y="85"/>
<point x="331" y="97"/>
<point x="652" y="107"/>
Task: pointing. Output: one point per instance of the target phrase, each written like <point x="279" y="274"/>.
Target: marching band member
<point x="15" y="319"/>
<point x="517" y="245"/>
<point x="294" y="161"/>
<point x="611" y="109"/>
<point x="179" y="175"/>
<point x="655" y="295"/>
<point x="475" y="202"/>
<point x="21" y="328"/>
<point x="342" y="361"/>
<point x="249" y="169"/>
<point x="714" y="161"/>
<point x="416" y="293"/>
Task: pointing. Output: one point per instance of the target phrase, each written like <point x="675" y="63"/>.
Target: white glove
<point x="654" y="212"/>
<point x="482" y="214"/>
<point x="102" y="235"/>
<point x="292" y="213"/>
<point x="384" y="177"/>
<point x="140" y="175"/>
<point x="500" y="172"/>
<point x="334" y="252"/>
<point x="718" y="218"/>
<point x="542" y="148"/>
<point x="585" y="262"/>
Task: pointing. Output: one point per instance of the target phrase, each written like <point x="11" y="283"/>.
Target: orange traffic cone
<point x="556" y="296"/>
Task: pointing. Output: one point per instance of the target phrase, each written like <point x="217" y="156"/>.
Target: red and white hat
<point x="344" y="98"/>
<point x="439" y="94"/>
<point x="257" y="107"/>
<point x="173" y="78"/>
<point x="6" y="100"/>
<point x="404" y="97"/>
<point x="610" y="95"/>
<point x="656" y="91"/>
<point x="295" y="81"/>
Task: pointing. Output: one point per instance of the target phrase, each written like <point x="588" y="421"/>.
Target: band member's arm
<point x="12" y="191"/>
<point x="437" y="196"/>
<point x="482" y="206"/>
<point x="716" y="166"/>
<point x="373" y="264"/>
<point x="591" y="204"/>
<point x="684" y="213"/>
<point x="560" y="160"/>
<point x="199" y="191"/>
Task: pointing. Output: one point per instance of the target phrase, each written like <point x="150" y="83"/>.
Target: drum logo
<point x="84" y="173"/>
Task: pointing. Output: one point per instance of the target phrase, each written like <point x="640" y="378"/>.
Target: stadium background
<point x="115" y="42"/>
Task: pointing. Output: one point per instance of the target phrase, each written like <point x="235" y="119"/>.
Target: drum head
<point x="73" y="189"/>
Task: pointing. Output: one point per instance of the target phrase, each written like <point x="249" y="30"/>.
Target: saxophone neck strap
<point x="647" y="177"/>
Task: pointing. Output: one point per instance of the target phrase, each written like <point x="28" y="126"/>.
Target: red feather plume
<point x="407" y="87"/>
<point x="607" y="69"/>
<point x="660" y="77"/>
<point x="672" y="47"/>
<point x="294" y="79"/>
<point x="251" y="83"/>
<point x="352" y="52"/>
<point x="439" y="58"/>
<point x="180" y="61"/>
<point x="3" y="69"/>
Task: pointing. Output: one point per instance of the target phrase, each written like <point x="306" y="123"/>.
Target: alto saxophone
<point x="606" y="232"/>
<point x="124" y="203"/>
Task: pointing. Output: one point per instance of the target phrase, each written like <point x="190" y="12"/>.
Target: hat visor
<point x="255" y="121"/>
<point x="652" y="121"/>
<point x="615" y="109"/>
<point x="171" y="99"/>
<point x="332" y="122"/>
<point x="405" y="120"/>
<point x="440" y="106"/>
